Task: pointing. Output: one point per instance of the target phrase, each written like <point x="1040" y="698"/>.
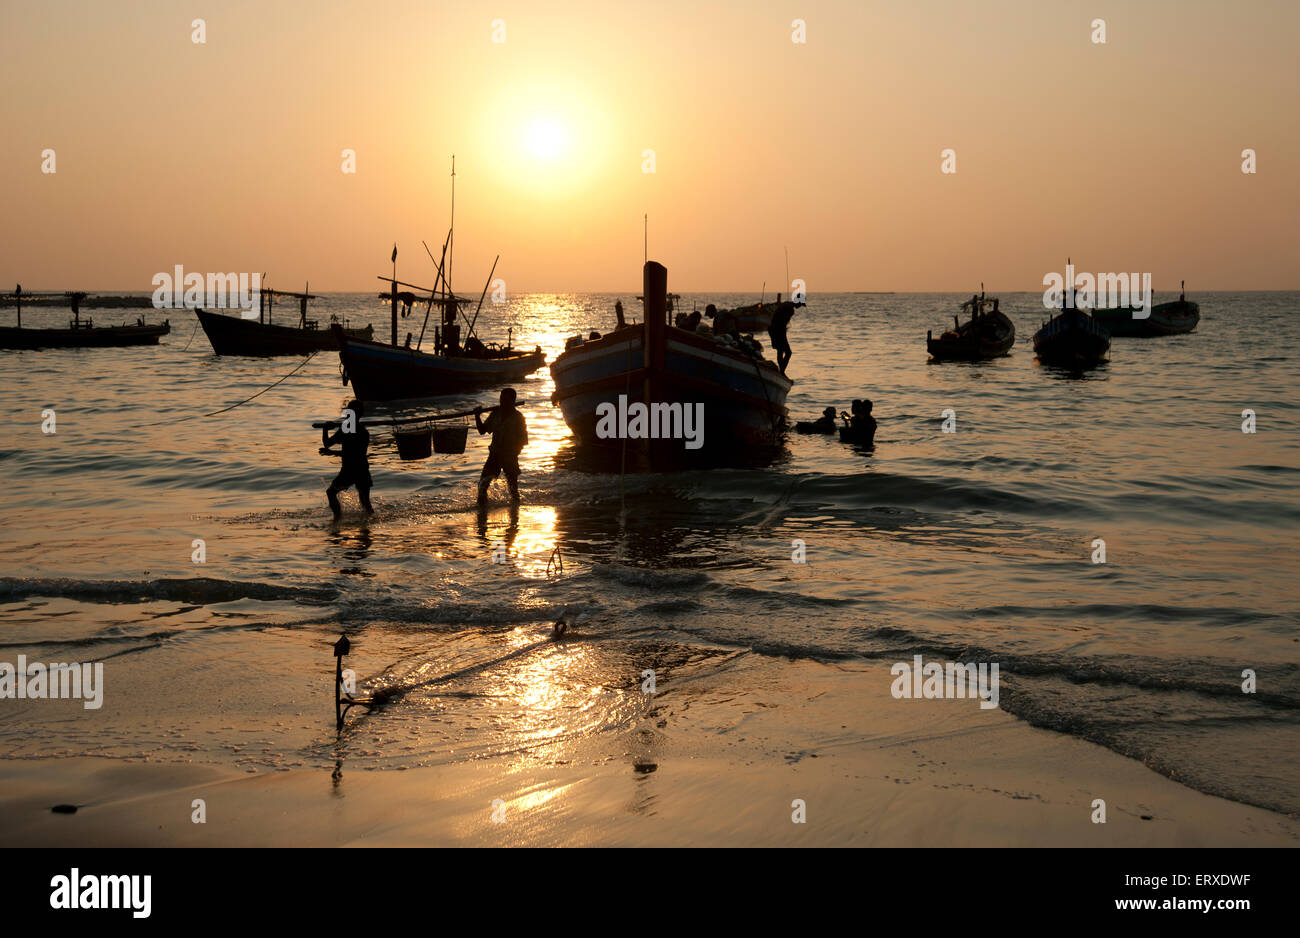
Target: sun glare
<point x="546" y="139"/>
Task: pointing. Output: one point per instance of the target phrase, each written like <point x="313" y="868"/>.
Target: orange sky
<point x="226" y="156"/>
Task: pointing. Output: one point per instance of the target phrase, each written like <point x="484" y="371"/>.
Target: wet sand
<point x="718" y="760"/>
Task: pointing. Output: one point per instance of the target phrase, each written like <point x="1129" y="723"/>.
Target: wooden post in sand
<point x="341" y="648"/>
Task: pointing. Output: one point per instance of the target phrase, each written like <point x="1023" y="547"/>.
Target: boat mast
<point x="451" y="244"/>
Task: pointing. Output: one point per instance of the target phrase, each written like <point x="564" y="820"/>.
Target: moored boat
<point x="667" y="371"/>
<point x="987" y="334"/>
<point x="388" y="372"/>
<point x="81" y="333"/>
<point x="260" y="337"/>
<point x="758" y="317"/>
<point x="1071" y="339"/>
<point x="1176" y="318"/>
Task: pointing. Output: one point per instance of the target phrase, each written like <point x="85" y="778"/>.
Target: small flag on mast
<point x="394" y="252"/>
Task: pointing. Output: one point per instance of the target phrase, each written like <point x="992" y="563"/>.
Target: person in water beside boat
<point x="509" y="436"/>
<point x="861" y="427"/>
<point x="823" y="424"/>
<point x="356" y="462"/>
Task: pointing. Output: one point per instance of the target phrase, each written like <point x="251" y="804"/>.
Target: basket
<point x="450" y="439"/>
<point x="414" y="444"/>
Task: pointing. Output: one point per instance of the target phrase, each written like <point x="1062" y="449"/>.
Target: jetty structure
<point x="260" y="337"/>
<point x="80" y="333"/>
<point x="1176" y="318"/>
<point x="987" y="334"/>
<point x="664" y="374"/>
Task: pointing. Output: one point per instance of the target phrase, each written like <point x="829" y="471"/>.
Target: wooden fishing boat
<point x="260" y="337"/>
<point x="1071" y="339"/>
<point x="661" y="366"/>
<point x="392" y="372"/>
<point x="987" y="334"/>
<point x="81" y="333"/>
<point x="1176" y="318"/>
<point x="758" y="317"/>
<point x="388" y="372"/>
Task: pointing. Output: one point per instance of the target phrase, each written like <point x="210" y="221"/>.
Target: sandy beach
<point x="718" y="761"/>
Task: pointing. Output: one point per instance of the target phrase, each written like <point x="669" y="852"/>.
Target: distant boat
<point x="81" y="333"/>
<point x="1072" y="339"/>
<point x="1176" y="318"/>
<point x="743" y="395"/>
<point x="234" y="335"/>
<point x="987" y="334"/>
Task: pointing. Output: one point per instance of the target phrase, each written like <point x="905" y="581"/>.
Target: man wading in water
<point x="356" y="464"/>
<point x="509" y="436"/>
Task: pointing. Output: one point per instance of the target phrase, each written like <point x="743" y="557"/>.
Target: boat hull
<point x="1176" y="318"/>
<point x="231" y="335"/>
<point x="380" y="372"/>
<point x="1073" y="340"/>
<point x="94" y="337"/>
<point x="744" y="414"/>
<point x="991" y="336"/>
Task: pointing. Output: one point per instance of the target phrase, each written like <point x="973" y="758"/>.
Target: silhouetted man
<point x="776" y="331"/>
<point x="509" y="437"/>
<point x="356" y="463"/>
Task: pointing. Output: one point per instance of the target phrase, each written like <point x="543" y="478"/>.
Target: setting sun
<point x="546" y="139"/>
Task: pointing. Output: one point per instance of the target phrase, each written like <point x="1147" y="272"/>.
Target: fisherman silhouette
<point x="356" y="464"/>
<point x="509" y="437"/>
<point x="776" y="332"/>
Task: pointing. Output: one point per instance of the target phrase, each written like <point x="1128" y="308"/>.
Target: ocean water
<point x="974" y="545"/>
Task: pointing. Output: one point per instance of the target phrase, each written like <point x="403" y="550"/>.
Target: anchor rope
<point x="223" y="410"/>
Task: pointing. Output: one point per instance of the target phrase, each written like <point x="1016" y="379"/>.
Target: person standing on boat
<point x="509" y="437"/>
<point x="776" y="331"/>
<point x="356" y="462"/>
<point x="618" y="311"/>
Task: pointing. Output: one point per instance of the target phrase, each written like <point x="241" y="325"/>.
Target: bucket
<point x="414" y="444"/>
<point x="449" y="439"/>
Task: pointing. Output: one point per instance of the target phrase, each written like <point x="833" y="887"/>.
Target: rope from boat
<point x="223" y="410"/>
<point x="196" y="329"/>
<point x="771" y="411"/>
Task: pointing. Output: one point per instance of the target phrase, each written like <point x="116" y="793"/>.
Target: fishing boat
<point x="380" y="372"/>
<point x="667" y="371"/>
<point x="758" y="317"/>
<point x="260" y="337"/>
<point x="391" y="372"/>
<point x="987" y="334"/>
<point x="81" y="333"/>
<point x="1071" y="339"/>
<point x="1176" y="318"/>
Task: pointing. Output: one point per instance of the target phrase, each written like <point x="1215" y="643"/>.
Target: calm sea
<point x="974" y="545"/>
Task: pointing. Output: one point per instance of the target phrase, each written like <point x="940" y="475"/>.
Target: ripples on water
<point x="972" y="545"/>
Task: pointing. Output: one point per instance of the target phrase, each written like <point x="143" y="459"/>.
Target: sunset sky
<point x="226" y="156"/>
